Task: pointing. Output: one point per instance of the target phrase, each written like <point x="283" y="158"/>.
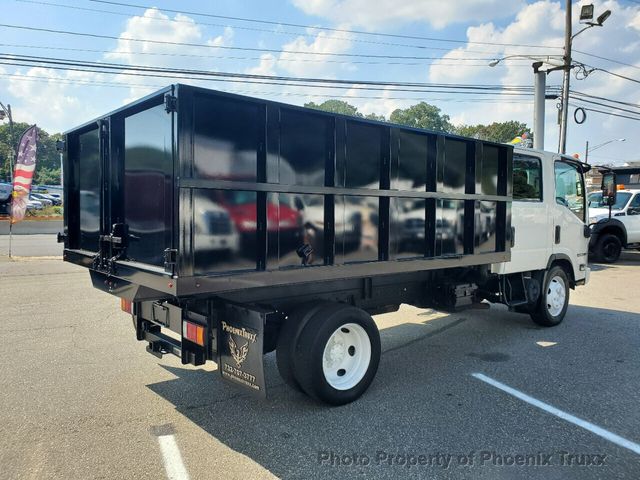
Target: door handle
<point x="557" y="234"/>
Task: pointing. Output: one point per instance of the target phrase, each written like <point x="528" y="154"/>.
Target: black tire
<point x="543" y="313"/>
<point x="288" y="337"/>
<point x="608" y="248"/>
<point x="310" y="348"/>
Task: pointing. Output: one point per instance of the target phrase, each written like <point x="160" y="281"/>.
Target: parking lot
<point x="455" y="395"/>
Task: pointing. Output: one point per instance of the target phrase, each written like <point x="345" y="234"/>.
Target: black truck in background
<point x="231" y="227"/>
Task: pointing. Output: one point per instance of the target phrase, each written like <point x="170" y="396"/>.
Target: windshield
<point x="595" y="200"/>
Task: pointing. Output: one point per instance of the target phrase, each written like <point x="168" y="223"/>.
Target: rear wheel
<point x="554" y="299"/>
<point x="337" y="354"/>
<point x="288" y="338"/>
<point x="608" y="248"/>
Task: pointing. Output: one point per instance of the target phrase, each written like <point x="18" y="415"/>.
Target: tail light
<point x="125" y="305"/>
<point x="193" y="332"/>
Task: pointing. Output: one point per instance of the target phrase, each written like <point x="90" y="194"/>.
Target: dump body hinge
<point x="170" y="259"/>
<point x="112" y="248"/>
<point x="170" y="103"/>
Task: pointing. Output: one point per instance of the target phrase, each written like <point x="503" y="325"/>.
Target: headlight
<point x="248" y="224"/>
<point x="593" y="219"/>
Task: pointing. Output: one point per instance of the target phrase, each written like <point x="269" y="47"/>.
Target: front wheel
<point x="337" y="354"/>
<point x="608" y="248"/>
<point x="554" y="299"/>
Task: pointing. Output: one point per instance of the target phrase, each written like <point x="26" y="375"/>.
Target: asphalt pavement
<point x="31" y="246"/>
<point x="31" y="227"/>
<point x="82" y="399"/>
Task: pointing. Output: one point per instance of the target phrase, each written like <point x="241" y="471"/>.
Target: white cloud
<point x="51" y="104"/>
<point x="137" y="46"/>
<point x="372" y="14"/>
<point x="314" y="63"/>
<point x="542" y="23"/>
<point x="266" y="66"/>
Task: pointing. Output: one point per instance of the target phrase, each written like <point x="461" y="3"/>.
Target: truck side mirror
<point x="609" y="189"/>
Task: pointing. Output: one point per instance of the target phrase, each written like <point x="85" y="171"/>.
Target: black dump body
<point x="196" y="193"/>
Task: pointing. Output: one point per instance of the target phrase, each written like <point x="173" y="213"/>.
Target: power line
<point x="297" y="25"/>
<point x="617" y="75"/>
<point x="100" y="84"/>
<point x="251" y="82"/>
<point x="607" y="59"/>
<point x="588" y="109"/>
<point x="620" y="102"/>
<point x="349" y="62"/>
<point x="224" y="47"/>
<point x="219" y="74"/>
<point x="593" y="102"/>
<point x="278" y="32"/>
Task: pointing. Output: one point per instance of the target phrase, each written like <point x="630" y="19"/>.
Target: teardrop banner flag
<point x="23" y="173"/>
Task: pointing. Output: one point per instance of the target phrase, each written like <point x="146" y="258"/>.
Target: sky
<point x="427" y="41"/>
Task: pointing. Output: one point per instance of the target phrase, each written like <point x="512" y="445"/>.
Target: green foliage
<point x="373" y="116"/>
<point x="501" y="132"/>
<point x="48" y="166"/>
<point x="335" y="106"/>
<point x="422" y="115"/>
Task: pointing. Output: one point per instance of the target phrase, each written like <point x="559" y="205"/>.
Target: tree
<point x="422" y="115"/>
<point x="501" y="132"/>
<point x="335" y="106"/>
<point x="48" y="159"/>
<point x="373" y="116"/>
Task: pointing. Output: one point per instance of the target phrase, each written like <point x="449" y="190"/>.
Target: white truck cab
<point x="622" y="230"/>
<point x="550" y="233"/>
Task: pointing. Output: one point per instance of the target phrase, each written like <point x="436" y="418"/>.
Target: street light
<point x="539" y="90"/>
<point x="539" y="58"/>
<point x="587" y="149"/>
<point x="5" y="112"/>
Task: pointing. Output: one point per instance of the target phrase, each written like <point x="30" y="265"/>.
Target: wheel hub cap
<point x="556" y="296"/>
<point x="346" y="356"/>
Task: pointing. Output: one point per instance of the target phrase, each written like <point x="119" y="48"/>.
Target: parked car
<point x="610" y="235"/>
<point x="34" y="205"/>
<point x="5" y="198"/>
<point x="49" y="196"/>
<point x="42" y="199"/>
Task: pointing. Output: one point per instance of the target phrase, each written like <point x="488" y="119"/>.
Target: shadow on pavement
<point x="421" y="399"/>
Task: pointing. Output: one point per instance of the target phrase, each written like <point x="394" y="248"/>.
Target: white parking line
<point x="172" y="459"/>
<point x="601" y="432"/>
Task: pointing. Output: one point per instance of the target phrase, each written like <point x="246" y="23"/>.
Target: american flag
<point x="23" y="174"/>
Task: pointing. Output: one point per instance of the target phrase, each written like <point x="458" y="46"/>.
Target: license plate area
<point x="240" y="347"/>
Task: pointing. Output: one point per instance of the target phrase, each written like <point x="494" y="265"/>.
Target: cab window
<point x="570" y="188"/>
<point x="527" y="178"/>
<point x="634" y="205"/>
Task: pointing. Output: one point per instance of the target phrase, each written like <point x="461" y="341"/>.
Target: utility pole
<point x="586" y="152"/>
<point x="564" y="112"/>
<point x="539" y="105"/>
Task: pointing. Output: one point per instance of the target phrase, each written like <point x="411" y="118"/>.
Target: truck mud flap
<point x="240" y="347"/>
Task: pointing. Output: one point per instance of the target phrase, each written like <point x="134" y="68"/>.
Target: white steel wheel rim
<point x="346" y="356"/>
<point x="556" y="295"/>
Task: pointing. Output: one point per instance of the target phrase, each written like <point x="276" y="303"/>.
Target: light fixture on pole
<point x="540" y="86"/>
<point x="586" y="17"/>
<point x="587" y="149"/>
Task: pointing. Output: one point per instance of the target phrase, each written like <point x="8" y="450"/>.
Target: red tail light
<point x="125" y="305"/>
<point x="193" y="332"/>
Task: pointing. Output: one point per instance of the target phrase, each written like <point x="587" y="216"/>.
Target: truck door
<point x="632" y="222"/>
<point x="531" y="216"/>
<point x="569" y="215"/>
<point x="147" y="182"/>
